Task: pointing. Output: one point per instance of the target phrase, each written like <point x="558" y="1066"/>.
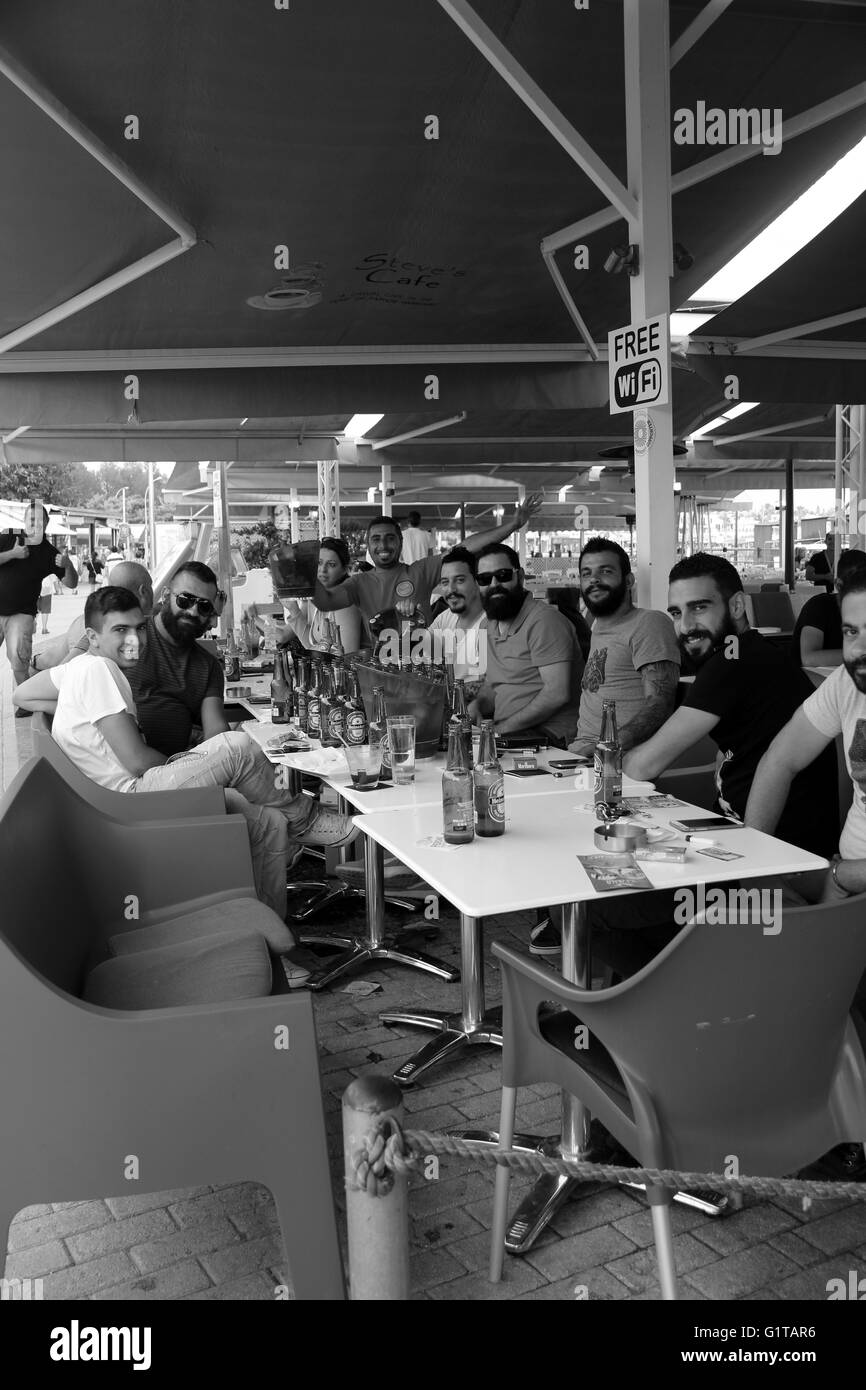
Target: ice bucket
<point x="405" y="694"/>
<point x="293" y="569"/>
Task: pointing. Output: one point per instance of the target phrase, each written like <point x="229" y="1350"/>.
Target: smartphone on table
<point x="701" y="823"/>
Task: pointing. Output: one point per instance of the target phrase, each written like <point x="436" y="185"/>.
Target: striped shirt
<point x="169" y="685"/>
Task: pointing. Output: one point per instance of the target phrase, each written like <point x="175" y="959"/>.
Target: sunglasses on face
<point x="187" y="601"/>
<point x="501" y="577"/>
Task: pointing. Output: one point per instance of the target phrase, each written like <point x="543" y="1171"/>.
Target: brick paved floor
<point x="223" y="1243"/>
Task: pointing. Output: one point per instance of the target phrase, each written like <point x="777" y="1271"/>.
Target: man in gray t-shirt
<point x="633" y="658"/>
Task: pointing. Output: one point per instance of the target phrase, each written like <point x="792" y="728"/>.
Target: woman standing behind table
<point x="307" y="623"/>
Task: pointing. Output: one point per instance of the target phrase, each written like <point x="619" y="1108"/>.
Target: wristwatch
<point x="837" y="860"/>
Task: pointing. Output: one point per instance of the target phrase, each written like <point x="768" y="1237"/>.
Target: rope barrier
<point x="388" y="1150"/>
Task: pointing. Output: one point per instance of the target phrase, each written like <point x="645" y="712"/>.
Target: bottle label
<point x="496" y="802"/>
<point x="335" y="722"/>
<point x="313" y="717"/>
<point x="356" y="727"/>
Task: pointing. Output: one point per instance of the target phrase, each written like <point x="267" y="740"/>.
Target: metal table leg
<point x="473" y="1025"/>
<point x="376" y="945"/>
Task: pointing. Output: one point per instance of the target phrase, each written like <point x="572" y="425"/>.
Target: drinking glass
<point x="365" y="764"/>
<point x="401" y="736"/>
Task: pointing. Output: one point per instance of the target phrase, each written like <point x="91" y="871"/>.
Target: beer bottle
<point x="355" y="715"/>
<point x="459" y="711"/>
<point x="336" y="647"/>
<point x="608" y="759"/>
<point x="281" y="695"/>
<point x="233" y="659"/>
<point x="379" y="733"/>
<point x="326" y="701"/>
<point x="301" y="694"/>
<point x="314" y="696"/>
<point x="489" y="786"/>
<point x="458" y="812"/>
<point x="335" y="725"/>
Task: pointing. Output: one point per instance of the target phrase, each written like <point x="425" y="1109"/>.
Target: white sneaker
<point x="329" y="829"/>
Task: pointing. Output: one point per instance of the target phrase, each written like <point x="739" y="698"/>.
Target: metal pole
<point x="386" y="487"/>
<point x="858" y="517"/>
<point x="647" y="97"/>
<point x="789" y="520"/>
<point x="521" y="534"/>
<point x="223" y="529"/>
<point x="378" y="1221"/>
<point x="151" y="493"/>
<point x="837" y="478"/>
<point x="294" y="517"/>
<point x="462" y="521"/>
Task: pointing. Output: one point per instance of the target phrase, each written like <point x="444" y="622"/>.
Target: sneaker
<point x="329" y="829"/>
<point x="845" y="1163"/>
<point x="544" y="939"/>
<point x="23" y="713"/>
<point x="296" y="975"/>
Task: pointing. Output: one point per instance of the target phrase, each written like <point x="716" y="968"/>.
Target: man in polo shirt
<point x="817" y="639"/>
<point x="534" y="663"/>
<point x="392" y="584"/>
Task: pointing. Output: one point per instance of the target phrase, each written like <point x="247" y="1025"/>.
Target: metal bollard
<point x="378" y="1225"/>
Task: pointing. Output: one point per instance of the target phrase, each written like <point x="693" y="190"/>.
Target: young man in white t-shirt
<point x="95" y="724"/>
<point x="460" y="633"/>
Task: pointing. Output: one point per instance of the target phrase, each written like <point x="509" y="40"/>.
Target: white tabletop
<point x="535" y="862"/>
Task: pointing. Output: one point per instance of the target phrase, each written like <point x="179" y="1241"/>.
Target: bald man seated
<point x="127" y="574"/>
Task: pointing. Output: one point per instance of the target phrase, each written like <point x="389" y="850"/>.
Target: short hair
<point x="339" y="547"/>
<point x="111" y="599"/>
<point x="198" y="571"/>
<point x="498" y="548"/>
<point x="704" y="566"/>
<point x="854" y="584"/>
<point x="414" y="518"/>
<point x="460" y="555"/>
<point x="849" y="562"/>
<point x="386" y="521"/>
<point x="596" y="544"/>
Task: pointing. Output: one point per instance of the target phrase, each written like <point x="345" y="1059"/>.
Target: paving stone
<point x="176" y="1281"/>
<point x="598" y="1207"/>
<point x="369" y="1038"/>
<point x="224" y="1201"/>
<point x="81" y="1280"/>
<point x="449" y="1092"/>
<point x="443" y="1228"/>
<point x="743" y="1229"/>
<point x="149" y="1201"/>
<point x="738" y="1274"/>
<point x="253" y="1222"/>
<point x="841" y="1230"/>
<point x="685" y="1294"/>
<point x="760" y="1296"/>
<point x="78" y="1216"/>
<point x="430" y="1267"/>
<point x="242" y="1258"/>
<point x="474" y="1251"/>
<point x="37" y="1261"/>
<point x="195" y="1240"/>
<point x="451" y="1192"/>
<point x="441" y="1119"/>
<point x="359" y="1057"/>
<point x="639" y="1228"/>
<point x="596" y="1247"/>
<point x="811" y="1284"/>
<point x="473" y="1106"/>
<point x="640" y="1269"/>
<point x="796" y="1248"/>
<point x="254" y="1286"/>
<point x="600" y="1286"/>
<point x="120" y="1235"/>
<point x="28" y="1213"/>
<point x="518" y="1278"/>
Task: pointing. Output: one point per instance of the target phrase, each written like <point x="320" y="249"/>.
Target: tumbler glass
<point x="401" y="736"/>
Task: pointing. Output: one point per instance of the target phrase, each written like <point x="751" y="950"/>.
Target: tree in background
<point x="62" y="484"/>
<point x="256" y="545"/>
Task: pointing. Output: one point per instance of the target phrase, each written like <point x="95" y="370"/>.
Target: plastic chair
<point x="773" y="609"/>
<point x="196" y="1094"/>
<point x="730" y="1042"/>
<point x="142" y="806"/>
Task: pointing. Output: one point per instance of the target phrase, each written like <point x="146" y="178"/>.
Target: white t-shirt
<point x="89" y="689"/>
<point x="837" y="706"/>
<point x="466" y="647"/>
<point x="416" y="545"/>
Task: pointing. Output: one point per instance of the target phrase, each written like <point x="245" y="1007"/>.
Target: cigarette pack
<point x="663" y="854"/>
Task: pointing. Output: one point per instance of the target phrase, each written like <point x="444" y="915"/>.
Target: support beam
<point x="698" y="27"/>
<point x="386" y="488"/>
<point x="801" y="330"/>
<point x="328" y="471"/>
<point x="222" y="525"/>
<point x="647" y="87"/>
<point x="415" y="434"/>
<point x="573" y="312"/>
<point x="540" y="105"/>
<point x="723" y="440"/>
<point x="790" y="526"/>
<point x="521" y="534"/>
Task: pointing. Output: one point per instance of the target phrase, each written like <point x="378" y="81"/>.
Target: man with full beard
<point x="633" y="657"/>
<point x="743" y="694"/>
<point x="534" y="662"/>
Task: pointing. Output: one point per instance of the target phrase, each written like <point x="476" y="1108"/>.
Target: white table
<point x="535" y="864"/>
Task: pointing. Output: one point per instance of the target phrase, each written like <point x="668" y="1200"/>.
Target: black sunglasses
<point x="501" y="577"/>
<point x="187" y="601"/>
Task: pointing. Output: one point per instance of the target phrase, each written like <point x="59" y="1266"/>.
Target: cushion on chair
<point x="247" y="914"/>
<point x="208" y="970"/>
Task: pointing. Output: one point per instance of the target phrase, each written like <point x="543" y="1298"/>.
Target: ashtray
<point x="620" y="837"/>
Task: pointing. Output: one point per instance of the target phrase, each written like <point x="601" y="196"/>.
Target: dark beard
<point x="694" y="660"/>
<point x="601" y="608"/>
<point x="857" y="671"/>
<point x="503" y="604"/>
<point x="181" y="633"/>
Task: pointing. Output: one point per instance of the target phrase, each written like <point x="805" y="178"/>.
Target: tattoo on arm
<point x="660" y="684"/>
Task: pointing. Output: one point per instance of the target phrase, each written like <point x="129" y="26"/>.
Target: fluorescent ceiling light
<point x="371" y="494"/>
<point x="360" y="424"/>
<point x="682" y="324"/>
<point x="792" y="230"/>
<point x="722" y="419"/>
<point x="563" y="491"/>
<point x="457" y="514"/>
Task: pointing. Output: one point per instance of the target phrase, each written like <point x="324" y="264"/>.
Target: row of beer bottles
<point x="325" y="701"/>
<point x="473" y="799"/>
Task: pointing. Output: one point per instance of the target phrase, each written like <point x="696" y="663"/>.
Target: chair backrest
<point x="742" y="1030"/>
<point x="49" y="836"/>
<point x="692" y="777"/>
<point x="773" y="610"/>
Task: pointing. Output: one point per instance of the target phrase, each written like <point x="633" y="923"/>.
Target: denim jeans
<point x="273" y="815"/>
<point x="17" y="630"/>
